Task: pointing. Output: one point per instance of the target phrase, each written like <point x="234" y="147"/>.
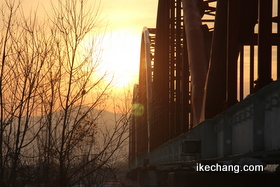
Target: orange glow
<point x="120" y="58"/>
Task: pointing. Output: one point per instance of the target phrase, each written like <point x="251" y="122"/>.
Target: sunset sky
<point x="120" y="23"/>
<point x="125" y="21"/>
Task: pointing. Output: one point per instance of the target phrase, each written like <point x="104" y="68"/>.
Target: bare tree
<point x="52" y="103"/>
<point x="22" y="63"/>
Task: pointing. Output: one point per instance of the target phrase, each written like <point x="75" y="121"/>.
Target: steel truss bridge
<point x="208" y="92"/>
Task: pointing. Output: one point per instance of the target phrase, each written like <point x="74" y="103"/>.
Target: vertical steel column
<point x="241" y="73"/>
<point x="161" y="75"/>
<point x="278" y="45"/>
<point x="172" y="75"/>
<point x="179" y="30"/>
<point x="252" y="67"/>
<point x="185" y="88"/>
<point x="232" y="52"/>
<point x="216" y="77"/>
<point x="264" y="42"/>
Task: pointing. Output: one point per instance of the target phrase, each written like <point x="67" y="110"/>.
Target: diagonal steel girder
<point x="197" y="57"/>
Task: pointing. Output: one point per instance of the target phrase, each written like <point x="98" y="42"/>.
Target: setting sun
<point x="119" y="58"/>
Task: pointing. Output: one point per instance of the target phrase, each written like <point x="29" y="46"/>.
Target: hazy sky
<point x="129" y="14"/>
<point x="118" y="14"/>
<point x="122" y="22"/>
<point x="125" y="20"/>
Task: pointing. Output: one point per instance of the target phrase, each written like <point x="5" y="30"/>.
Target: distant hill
<point x="109" y="127"/>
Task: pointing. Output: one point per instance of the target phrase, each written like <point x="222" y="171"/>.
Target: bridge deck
<point x="250" y="128"/>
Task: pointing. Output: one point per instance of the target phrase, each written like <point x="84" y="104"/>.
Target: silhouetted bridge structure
<point x="208" y="92"/>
